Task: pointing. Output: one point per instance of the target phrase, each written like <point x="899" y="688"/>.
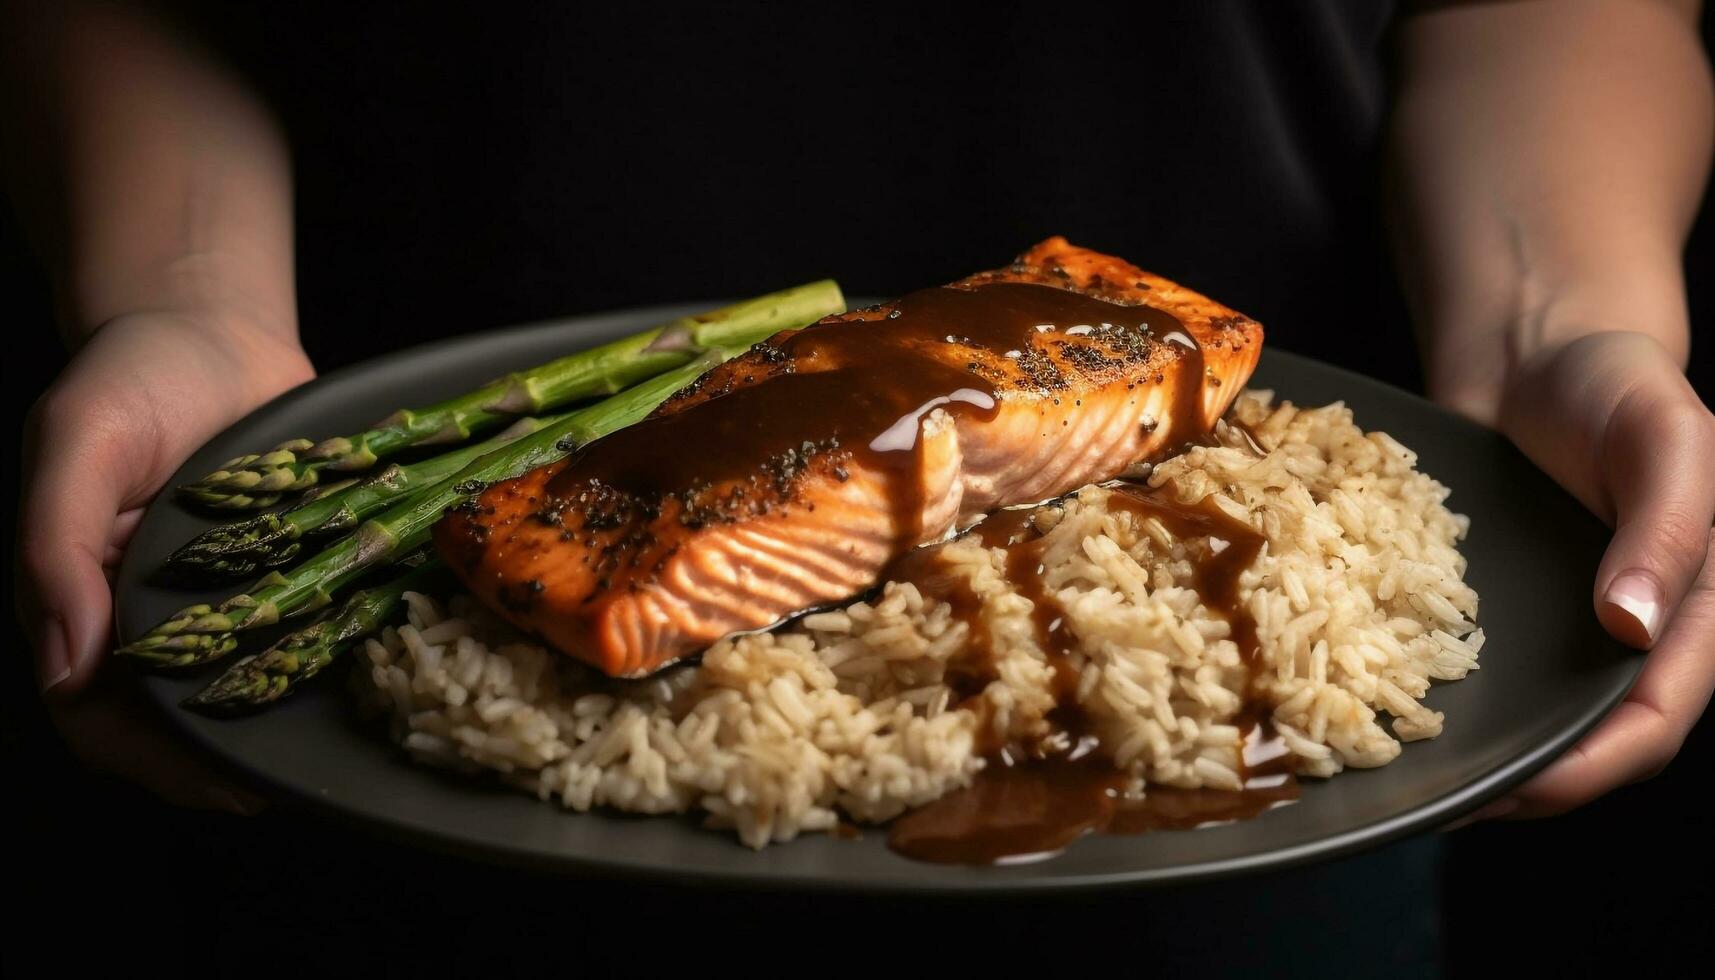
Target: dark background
<point x="105" y="875"/>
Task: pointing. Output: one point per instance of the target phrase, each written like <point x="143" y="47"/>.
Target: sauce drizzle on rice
<point x="1030" y="801"/>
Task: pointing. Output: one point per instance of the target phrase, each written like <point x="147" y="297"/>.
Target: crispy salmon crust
<point x="629" y="580"/>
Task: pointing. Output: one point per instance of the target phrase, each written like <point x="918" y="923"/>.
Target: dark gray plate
<point x="1549" y="673"/>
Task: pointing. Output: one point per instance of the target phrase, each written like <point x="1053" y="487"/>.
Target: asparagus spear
<point x="261" y="679"/>
<point x="249" y="547"/>
<point x="177" y="644"/>
<point x="259" y="480"/>
<point x="201" y="633"/>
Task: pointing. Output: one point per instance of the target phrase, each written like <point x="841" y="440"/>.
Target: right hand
<point x="145" y="392"/>
<point x="1611" y="418"/>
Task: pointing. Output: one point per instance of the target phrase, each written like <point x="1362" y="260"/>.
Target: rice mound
<point x="1358" y="597"/>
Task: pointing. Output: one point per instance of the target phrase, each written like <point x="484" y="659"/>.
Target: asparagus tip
<point x="175" y="652"/>
<point x="240" y="549"/>
<point x="242" y="689"/>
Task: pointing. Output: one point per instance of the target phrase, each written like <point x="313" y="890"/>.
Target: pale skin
<point x="1547" y="159"/>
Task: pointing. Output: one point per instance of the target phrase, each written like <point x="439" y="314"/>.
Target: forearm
<point x="1546" y="161"/>
<point x="174" y="186"/>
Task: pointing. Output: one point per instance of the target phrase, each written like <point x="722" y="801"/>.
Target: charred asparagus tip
<point x="237" y="550"/>
<point x="244" y="687"/>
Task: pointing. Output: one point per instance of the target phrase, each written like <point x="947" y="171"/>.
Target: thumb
<point x="70" y="506"/>
<point x="1657" y="455"/>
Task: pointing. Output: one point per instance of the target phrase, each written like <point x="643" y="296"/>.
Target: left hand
<point x="132" y="405"/>
<point x="1612" y="419"/>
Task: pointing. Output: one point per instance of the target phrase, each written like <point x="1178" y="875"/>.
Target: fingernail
<point x="1636" y="596"/>
<point x="52" y="664"/>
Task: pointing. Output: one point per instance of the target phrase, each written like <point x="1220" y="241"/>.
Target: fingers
<point x="1612" y="419"/>
<point x="87" y="464"/>
<point x="1658" y="457"/>
<point x="1645" y="732"/>
<point x="72" y="495"/>
<point x="97" y="447"/>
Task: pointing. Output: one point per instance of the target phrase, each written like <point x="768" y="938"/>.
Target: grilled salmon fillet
<point x="792" y="475"/>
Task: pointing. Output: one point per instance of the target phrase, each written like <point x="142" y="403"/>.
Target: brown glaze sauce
<point x="969" y="674"/>
<point x="862" y="390"/>
<point x="1231" y="546"/>
<point x="1030" y="802"/>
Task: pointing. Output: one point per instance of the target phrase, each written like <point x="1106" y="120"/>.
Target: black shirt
<point x="465" y="168"/>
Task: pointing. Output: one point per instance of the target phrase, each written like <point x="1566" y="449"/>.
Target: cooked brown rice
<point x="1358" y="598"/>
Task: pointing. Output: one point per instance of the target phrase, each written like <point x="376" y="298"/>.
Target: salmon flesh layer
<point x="789" y="477"/>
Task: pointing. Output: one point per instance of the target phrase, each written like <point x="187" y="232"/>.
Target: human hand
<point x="1612" y="419"/>
<point x="144" y="393"/>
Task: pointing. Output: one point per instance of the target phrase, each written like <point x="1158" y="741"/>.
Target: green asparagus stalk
<point x="201" y="633"/>
<point x="259" y="680"/>
<point x="178" y="644"/>
<point x="242" y="549"/>
<point x="259" y="480"/>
